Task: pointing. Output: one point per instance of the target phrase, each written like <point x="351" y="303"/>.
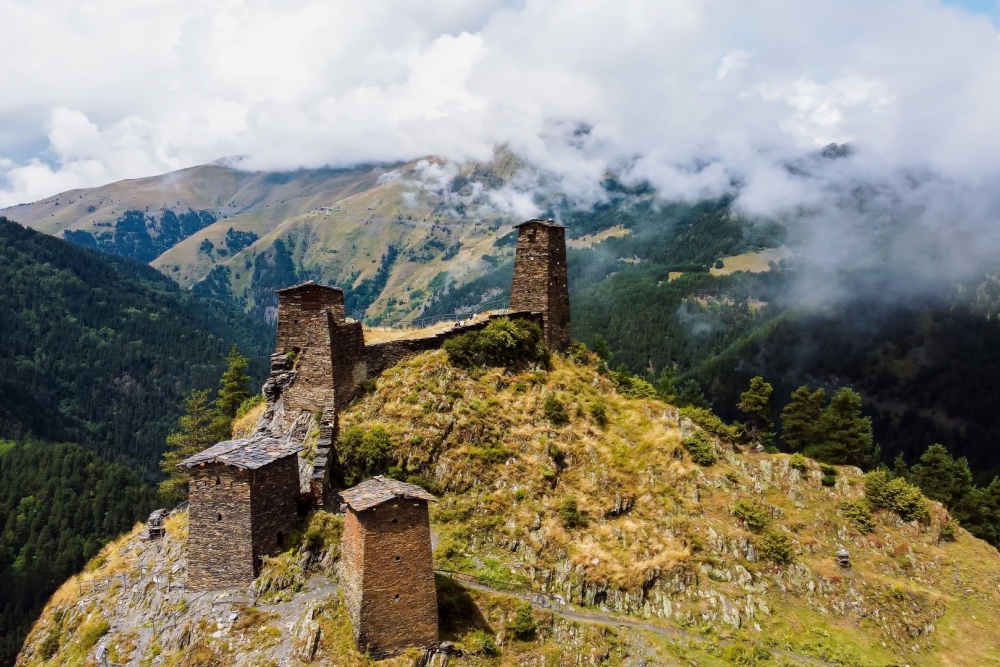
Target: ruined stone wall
<point x="540" y="282"/>
<point x="275" y="488"/>
<point x="305" y="317"/>
<point x="220" y="541"/>
<point x="388" y="578"/>
<point x="347" y="350"/>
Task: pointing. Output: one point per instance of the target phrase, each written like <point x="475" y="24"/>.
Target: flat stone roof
<point x="548" y="222"/>
<point x="378" y="490"/>
<point x="245" y="453"/>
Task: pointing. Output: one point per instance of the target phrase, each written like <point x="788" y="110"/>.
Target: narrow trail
<point x="539" y="601"/>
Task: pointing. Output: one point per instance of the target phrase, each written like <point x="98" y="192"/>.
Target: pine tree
<point x="899" y="468"/>
<point x="943" y="478"/>
<point x="666" y="384"/>
<point x="199" y="429"/>
<point x="689" y="394"/>
<point x="800" y="418"/>
<point x="755" y="402"/>
<point x="234" y="388"/>
<point x="845" y="437"/>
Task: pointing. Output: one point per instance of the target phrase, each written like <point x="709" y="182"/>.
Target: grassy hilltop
<point x="552" y="481"/>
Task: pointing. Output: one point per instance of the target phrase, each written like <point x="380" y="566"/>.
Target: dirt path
<point x="540" y="601"/>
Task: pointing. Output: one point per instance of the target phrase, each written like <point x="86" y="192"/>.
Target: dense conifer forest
<point x="59" y="504"/>
<point x="100" y="350"/>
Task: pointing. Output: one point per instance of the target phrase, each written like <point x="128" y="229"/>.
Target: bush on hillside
<point x="363" y="454"/>
<point x="712" y="424"/>
<point x="503" y="342"/>
<point x="701" y="448"/>
<point x="859" y="513"/>
<point x="555" y="411"/>
<point x="798" y="462"/>
<point x="599" y="411"/>
<point x="775" y="547"/>
<point x="896" y="495"/>
<point x="570" y="515"/>
<point x="754" y="516"/>
<point x="631" y="386"/>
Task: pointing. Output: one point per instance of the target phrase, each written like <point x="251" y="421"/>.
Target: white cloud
<point x="690" y="94"/>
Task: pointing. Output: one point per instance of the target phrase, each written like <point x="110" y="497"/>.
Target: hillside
<point x="641" y="555"/>
<point x="100" y="350"/>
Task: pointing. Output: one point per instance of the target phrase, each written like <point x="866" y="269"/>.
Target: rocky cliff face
<point x="592" y="541"/>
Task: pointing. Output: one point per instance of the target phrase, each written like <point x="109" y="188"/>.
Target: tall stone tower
<point x="388" y="574"/>
<point x="306" y="315"/>
<point x="540" y="283"/>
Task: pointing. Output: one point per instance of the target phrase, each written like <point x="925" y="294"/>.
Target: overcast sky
<point x="689" y="94"/>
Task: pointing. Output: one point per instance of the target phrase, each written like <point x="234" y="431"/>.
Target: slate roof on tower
<point x="246" y="453"/>
<point x="548" y="222"/>
<point x="306" y="284"/>
<point x="378" y="490"/>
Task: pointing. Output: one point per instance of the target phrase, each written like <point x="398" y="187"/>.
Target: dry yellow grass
<point x="590" y="240"/>
<point x="243" y="426"/>
<point x="754" y="262"/>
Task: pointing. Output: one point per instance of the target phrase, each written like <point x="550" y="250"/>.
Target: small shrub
<point x="707" y="420"/>
<point x="503" y="342"/>
<point x="949" y="532"/>
<point x="363" y="454"/>
<point x="631" y="386"/>
<point x="599" y="412"/>
<point x="858" y="513"/>
<point x="827" y="470"/>
<point x="481" y="643"/>
<point x="798" y="462"/>
<point x="520" y="495"/>
<point x="91" y="633"/>
<point x="492" y="454"/>
<point x="555" y="411"/>
<point x="570" y="515"/>
<point x="742" y="656"/>
<point x="50" y="645"/>
<point x="896" y="495"/>
<point x="523" y="628"/>
<point x="323" y="532"/>
<point x="828" y="480"/>
<point x="754" y="515"/>
<point x="776" y="547"/>
<point x="701" y="448"/>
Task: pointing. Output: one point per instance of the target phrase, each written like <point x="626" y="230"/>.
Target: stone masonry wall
<point x="540" y="282"/>
<point x="220" y="543"/>
<point x="347" y="349"/>
<point x="389" y="577"/>
<point x="273" y="507"/>
<point x="306" y="315"/>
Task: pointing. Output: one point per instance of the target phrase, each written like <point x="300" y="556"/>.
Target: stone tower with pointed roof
<point x="388" y="575"/>
<point x="540" y="281"/>
<point x="242" y="503"/>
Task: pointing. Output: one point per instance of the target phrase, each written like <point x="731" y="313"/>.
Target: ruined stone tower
<point x="242" y="504"/>
<point x="540" y="283"/>
<point x="388" y="575"/>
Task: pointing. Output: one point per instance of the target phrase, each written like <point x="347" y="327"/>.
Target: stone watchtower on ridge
<point x="540" y="282"/>
<point x="388" y="574"/>
<point x="242" y="505"/>
<point x="312" y="324"/>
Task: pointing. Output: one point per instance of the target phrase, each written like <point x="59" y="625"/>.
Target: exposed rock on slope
<point x="657" y="559"/>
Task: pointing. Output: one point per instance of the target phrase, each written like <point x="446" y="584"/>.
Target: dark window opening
<point x="398" y="559"/>
<point x="281" y="539"/>
<point x="396" y="599"/>
<point x="218" y="482"/>
<point x="395" y="520"/>
<point x="218" y="517"/>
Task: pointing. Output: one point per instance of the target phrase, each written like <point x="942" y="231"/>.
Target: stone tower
<point x="242" y="504"/>
<point x="540" y="283"/>
<point x="306" y="315"/>
<point x="388" y="574"/>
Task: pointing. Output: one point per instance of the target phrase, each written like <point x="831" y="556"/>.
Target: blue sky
<point x="989" y="7"/>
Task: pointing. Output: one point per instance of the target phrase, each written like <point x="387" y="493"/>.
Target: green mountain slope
<point x="100" y="350"/>
<point x="642" y="555"/>
<point x="59" y="504"/>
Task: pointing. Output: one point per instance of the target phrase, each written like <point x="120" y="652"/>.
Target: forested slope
<point x="59" y="504"/>
<point x="100" y="350"/>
